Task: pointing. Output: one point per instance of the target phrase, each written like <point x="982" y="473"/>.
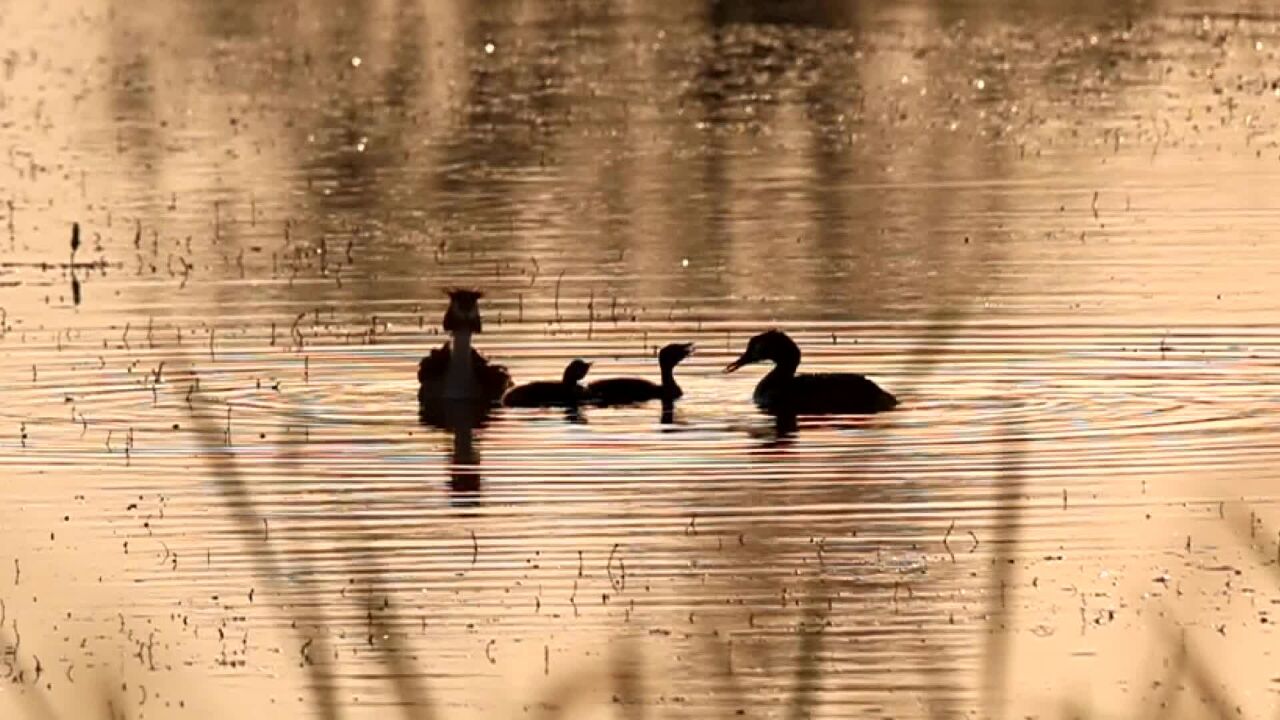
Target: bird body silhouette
<point x="784" y="392"/>
<point x="455" y="371"/>
<point x="566" y="392"/>
<point x="631" y="390"/>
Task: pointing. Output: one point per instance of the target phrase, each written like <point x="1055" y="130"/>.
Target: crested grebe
<point x="566" y="392"/>
<point x="782" y="391"/>
<point x="454" y="371"/>
<point x="626" y="390"/>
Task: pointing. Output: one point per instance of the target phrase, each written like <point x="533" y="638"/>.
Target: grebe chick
<point x="629" y="390"/>
<point x="567" y="392"/>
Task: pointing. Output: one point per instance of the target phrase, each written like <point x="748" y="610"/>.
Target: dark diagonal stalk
<point x="239" y="502"/>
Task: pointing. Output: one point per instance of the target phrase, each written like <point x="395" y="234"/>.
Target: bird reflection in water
<point x="458" y="388"/>
<point x="668" y="413"/>
<point x="460" y="418"/>
<point x="777" y="433"/>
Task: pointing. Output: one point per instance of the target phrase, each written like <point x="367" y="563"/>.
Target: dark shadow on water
<point x="785" y="425"/>
<point x="269" y="563"/>
<point x="465" y="481"/>
<point x="773" y="433"/>
<point x="783" y="428"/>
<point x="461" y="419"/>
<point x="573" y="415"/>
<point x="1007" y="531"/>
<point x="804" y="13"/>
<point x="452" y="415"/>
<point x="668" y="416"/>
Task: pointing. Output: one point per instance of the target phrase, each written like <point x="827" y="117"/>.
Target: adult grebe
<point x="627" y="390"/>
<point x="454" y="371"/>
<point x="567" y="392"/>
<point x="784" y="392"/>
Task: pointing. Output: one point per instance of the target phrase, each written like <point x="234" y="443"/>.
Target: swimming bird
<point x="783" y="392"/>
<point x="566" y="392"/>
<point x="628" y="390"/>
<point x="454" y="371"/>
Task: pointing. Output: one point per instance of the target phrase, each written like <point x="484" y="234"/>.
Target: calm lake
<point x="1052" y="231"/>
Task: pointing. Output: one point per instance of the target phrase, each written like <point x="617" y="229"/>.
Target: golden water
<point x="1052" y="233"/>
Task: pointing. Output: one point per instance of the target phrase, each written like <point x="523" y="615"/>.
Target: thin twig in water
<point x="559" y="279"/>
<point x="608" y="567"/>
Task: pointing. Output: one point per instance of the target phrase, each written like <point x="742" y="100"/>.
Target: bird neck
<point x="785" y="357"/>
<point x="460" y="379"/>
<point x="779" y="373"/>
<point x="669" y="386"/>
<point x="783" y="367"/>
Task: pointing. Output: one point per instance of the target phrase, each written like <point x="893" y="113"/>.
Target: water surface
<point x="1051" y="232"/>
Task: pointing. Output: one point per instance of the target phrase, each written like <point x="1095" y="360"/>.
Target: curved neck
<point x="775" y="381"/>
<point x="781" y="371"/>
<point x="669" y="386"/>
<point x="785" y="360"/>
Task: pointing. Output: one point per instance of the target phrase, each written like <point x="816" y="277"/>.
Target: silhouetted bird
<point x="784" y="392"/>
<point x="455" y="371"/>
<point x="567" y="392"/>
<point x="627" y="390"/>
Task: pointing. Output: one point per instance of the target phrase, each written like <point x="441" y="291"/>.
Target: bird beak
<point x="743" y="359"/>
<point x="688" y="349"/>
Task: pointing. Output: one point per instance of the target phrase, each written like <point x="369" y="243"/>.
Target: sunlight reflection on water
<point x="1051" y="234"/>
